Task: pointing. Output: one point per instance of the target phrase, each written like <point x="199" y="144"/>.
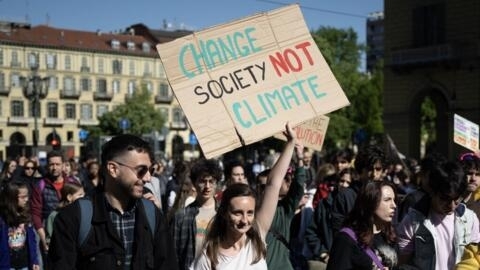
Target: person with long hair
<point x="367" y="238"/>
<point x="236" y="235"/>
<point x="18" y="245"/>
<point x="71" y="191"/>
<point x="9" y="167"/>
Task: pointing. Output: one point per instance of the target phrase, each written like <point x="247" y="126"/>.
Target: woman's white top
<point x="241" y="260"/>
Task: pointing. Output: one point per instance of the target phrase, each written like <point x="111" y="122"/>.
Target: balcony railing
<point x="53" y="121"/>
<point x="422" y="55"/>
<point x="4" y="91"/>
<point x="163" y="99"/>
<point x="19" y="120"/>
<point x="87" y="122"/>
<point x="84" y="69"/>
<point x="178" y="125"/>
<point x="102" y="95"/>
<point x="70" y="94"/>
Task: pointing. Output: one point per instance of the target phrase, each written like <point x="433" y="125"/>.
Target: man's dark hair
<point x="55" y="153"/>
<point x="447" y="179"/>
<point x="123" y="143"/>
<point x="205" y="167"/>
<point x="345" y="153"/>
<point x="230" y="165"/>
<point x="470" y="161"/>
<point x="368" y="156"/>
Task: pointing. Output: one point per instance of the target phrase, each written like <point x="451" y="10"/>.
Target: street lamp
<point x="35" y="88"/>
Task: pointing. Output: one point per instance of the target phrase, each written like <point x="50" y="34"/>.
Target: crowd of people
<point x="360" y="210"/>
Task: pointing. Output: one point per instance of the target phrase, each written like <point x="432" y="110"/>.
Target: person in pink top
<point x="434" y="233"/>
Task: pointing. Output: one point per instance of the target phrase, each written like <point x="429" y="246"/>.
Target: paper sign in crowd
<point x="240" y="82"/>
<point x="311" y="133"/>
<point x="465" y="132"/>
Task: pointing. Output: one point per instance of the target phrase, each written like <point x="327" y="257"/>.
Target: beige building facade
<point x="88" y="74"/>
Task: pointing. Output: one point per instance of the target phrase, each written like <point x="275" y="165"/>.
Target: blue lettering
<point x="236" y="111"/>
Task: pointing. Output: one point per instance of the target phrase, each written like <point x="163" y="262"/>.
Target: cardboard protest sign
<point x="465" y="133"/>
<point x="240" y="82"/>
<point x="311" y="133"/>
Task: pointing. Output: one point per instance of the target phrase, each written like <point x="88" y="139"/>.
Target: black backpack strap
<point x="280" y="237"/>
<point x="86" y="213"/>
<point x="150" y="213"/>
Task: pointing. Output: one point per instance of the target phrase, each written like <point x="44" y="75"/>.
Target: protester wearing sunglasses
<point x="120" y="236"/>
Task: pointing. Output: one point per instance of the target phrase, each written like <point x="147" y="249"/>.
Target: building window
<point x="2" y="80"/>
<point x="165" y="112"/>
<point x="86" y="111"/>
<point x="69" y="84"/>
<point x="429" y="25"/>
<point x="146" y="47"/>
<point x="15" y="62"/>
<point x="33" y="60"/>
<point x="115" y="44"/>
<point x="100" y="65"/>
<point x="130" y="45"/>
<point x="52" y="110"/>
<point x="146" y="69"/>
<point x="102" y="86"/>
<point x="68" y="62"/>
<point x="117" y="67"/>
<point x="178" y="119"/>
<point x="131" y="68"/>
<point x="52" y="83"/>
<point x="15" y="80"/>
<point x="1" y="107"/>
<point x="163" y="91"/>
<point x="84" y="67"/>
<point x="116" y="86"/>
<point x="161" y="71"/>
<point x="131" y="87"/>
<point x="51" y="60"/>
<point x="17" y="108"/>
<point x="84" y="61"/>
<point x="1" y="57"/>
<point x="101" y="110"/>
<point x="70" y="112"/>
<point x="85" y="84"/>
<point x="69" y="136"/>
<point x="149" y="86"/>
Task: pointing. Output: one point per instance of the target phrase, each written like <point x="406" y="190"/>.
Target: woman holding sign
<point x="236" y="237"/>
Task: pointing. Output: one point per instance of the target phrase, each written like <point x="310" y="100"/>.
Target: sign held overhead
<point x="240" y="82"/>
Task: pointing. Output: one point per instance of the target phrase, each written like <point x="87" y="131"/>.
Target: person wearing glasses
<point x="434" y="233"/>
<point x="120" y="236"/>
<point x="189" y="225"/>
<point x="29" y="174"/>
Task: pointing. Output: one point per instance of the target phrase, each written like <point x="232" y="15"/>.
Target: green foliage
<point x="428" y="118"/>
<point x="140" y="112"/>
<point x="343" y="54"/>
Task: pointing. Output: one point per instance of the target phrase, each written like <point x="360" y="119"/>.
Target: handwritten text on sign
<point x="311" y="133"/>
<point x="465" y="133"/>
<point x="240" y="82"/>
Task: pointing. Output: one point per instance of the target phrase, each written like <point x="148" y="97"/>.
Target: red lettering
<point x="289" y="60"/>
